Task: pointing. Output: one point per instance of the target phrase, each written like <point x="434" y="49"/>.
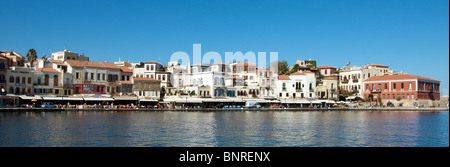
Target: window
<point x="412" y="96"/>
<point x="98" y="76"/>
<point x="11" y="79"/>
<point x="92" y="76"/>
<point x="164" y="77"/>
<point x="77" y="75"/>
<point x="103" y="76"/>
<point x="384" y="97"/>
<point x="402" y="85"/>
<point x="385" y="86"/>
<point x="17" y="79"/>
<point x="23" y="80"/>
<point x="407" y="96"/>
<point x="388" y="96"/>
<point x="395" y="86"/>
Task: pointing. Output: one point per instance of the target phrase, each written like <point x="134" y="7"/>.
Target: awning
<point x="148" y="100"/>
<point x="125" y="98"/>
<point x="24" y="97"/>
<point x="298" y="101"/>
<point x="98" y="99"/>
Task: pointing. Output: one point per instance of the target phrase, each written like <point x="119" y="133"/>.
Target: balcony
<point x="344" y="81"/>
<point x="298" y="90"/>
<point x="355" y="80"/>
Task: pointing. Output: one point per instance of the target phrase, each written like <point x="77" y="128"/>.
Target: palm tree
<point x="31" y="55"/>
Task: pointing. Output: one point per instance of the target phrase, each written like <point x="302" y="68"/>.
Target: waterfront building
<point x="401" y="86"/>
<point x="19" y="80"/>
<point x="94" y="77"/>
<point x="267" y="78"/>
<point x="47" y="81"/>
<point x="351" y="77"/>
<point x="126" y="84"/>
<point x="3" y="73"/>
<point x="245" y="79"/>
<point x="151" y="69"/>
<point x="297" y="85"/>
<point x="68" y="55"/>
<point x="328" y="89"/>
<point x="147" y="87"/>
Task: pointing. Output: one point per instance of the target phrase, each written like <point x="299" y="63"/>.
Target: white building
<point x="351" y="77"/>
<point x="68" y="55"/>
<point x="297" y="85"/>
<point x="151" y="69"/>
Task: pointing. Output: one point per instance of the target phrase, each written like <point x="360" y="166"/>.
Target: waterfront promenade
<point x="405" y="109"/>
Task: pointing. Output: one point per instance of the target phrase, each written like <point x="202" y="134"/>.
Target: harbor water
<point x="224" y="129"/>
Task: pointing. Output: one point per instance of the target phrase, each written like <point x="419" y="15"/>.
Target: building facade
<point x="298" y="85"/>
<point x="147" y="87"/>
<point x="404" y="86"/>
<point x="68" y="55"/>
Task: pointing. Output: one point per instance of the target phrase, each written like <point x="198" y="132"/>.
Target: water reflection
<point x="218" y="129"/>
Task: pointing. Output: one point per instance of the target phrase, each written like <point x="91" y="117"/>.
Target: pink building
<point x="327" y="70"/>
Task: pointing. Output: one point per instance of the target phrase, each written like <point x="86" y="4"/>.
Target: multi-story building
<point x="402" y="86"/>
<point x="267" y="79"/>
<point x="15" y="59"/>
<point x="297" y="85"/>
<point x="68" y="55"/>
<point x="147" y="87"/>
<point x="328" y="89"/>
<point x="249" y="87"/>
<point x="126" y="84"/>
<point x="327" y="71"/>
<point x="3" y="73"/>
<point x="351" y="77"/>
<point x="94" y="77"/>
<point x="20" y="80"/>
<point x="47" y="81"/>
<point x="151" y="69"/>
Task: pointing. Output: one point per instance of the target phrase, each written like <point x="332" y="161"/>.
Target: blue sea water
<point x="224" y="129"/>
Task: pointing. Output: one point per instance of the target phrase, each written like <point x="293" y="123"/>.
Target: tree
<point x="294" y="69"/>
<point x="281" y="67"/>
<point x="31" y="55"/>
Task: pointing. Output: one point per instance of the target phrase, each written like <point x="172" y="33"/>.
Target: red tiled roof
<point x="322" y="67"/>
<point x="302" y="73"/>
<point x="79" y="63"/>
<point x="330" y="78"/>
<point x="244" y="64"/>
<point x="125" y="69"/>
<point x="284" y="77"/>
<point x="47" y="70"/>
<point x="126" y="82"/>
<point x="398" y="77"/>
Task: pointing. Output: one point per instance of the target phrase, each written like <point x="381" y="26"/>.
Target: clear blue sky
<point x="408" y="35"/>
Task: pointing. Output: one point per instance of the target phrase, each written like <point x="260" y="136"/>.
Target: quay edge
<point x="405" y="109"/>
